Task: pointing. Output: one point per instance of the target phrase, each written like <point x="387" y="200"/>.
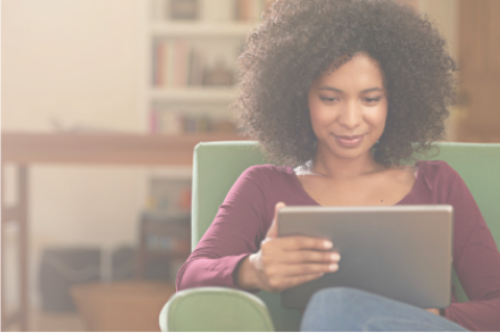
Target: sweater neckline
<point x="418" y="178"/>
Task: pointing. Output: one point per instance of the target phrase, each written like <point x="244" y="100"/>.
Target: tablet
<point x="399" y="252"/>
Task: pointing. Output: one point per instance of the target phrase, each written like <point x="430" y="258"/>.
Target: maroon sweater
<point x="247" y="212"/>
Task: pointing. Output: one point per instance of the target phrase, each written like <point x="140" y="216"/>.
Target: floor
<point x="56" y="322"/>
<point x="52" y="322"/>
<point x="142" y="298"/>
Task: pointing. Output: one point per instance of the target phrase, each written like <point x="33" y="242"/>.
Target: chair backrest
<point x="217" y="165"/>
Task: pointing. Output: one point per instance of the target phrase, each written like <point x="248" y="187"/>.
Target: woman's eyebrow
<point x="372" y="89"/>
<point x="330" y="88"/>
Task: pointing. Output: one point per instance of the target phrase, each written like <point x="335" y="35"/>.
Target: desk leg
<point x="2" y="262"/>
<point x="23" y="245"/>
<point x="19" y="215"/>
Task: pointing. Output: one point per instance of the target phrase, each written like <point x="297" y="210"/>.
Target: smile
<point x="349" y="141"/>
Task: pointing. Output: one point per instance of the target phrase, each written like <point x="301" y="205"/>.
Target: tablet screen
<point x="400" y="252"/>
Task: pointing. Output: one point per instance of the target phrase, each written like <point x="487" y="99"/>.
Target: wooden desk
<point x="24" y="149"/>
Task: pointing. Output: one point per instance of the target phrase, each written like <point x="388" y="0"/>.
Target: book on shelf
<point x="178" y="64"/>
<point x="164" y="243"/>
<point x="183" y="9"/>
<point x="250" y="10"/>
<point x="169" y="197"/>
<point x="209" y="10"/>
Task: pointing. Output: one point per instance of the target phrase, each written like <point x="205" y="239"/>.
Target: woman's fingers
<point x="306" y="269"/>
<point x="304" y="256"/>
<point x="304" y="243"/>
<point x="289" y="261"/>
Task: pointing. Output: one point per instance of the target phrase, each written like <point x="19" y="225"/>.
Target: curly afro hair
<point x="300" y="39"/>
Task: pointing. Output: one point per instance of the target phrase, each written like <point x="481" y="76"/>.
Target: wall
<point x="444" y="13"/>
<point x="68" y="63"/>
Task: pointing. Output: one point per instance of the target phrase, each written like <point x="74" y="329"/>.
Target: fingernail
<point x="335" y="256"/>
<point x="333" y="268"/>
<point x="328" y="244"/>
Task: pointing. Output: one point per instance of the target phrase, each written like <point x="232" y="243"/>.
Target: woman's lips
<point x="349" y="141"/>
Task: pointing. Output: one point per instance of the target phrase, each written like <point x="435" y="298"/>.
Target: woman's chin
<point x="350" y="152"/>
<point x="344" y="151"/>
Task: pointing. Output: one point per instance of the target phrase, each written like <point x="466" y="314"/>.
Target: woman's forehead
<point x="358" y="72"/>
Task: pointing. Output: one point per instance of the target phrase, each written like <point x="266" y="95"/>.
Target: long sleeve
<point x="236" y="232"/>
<point x="476" y="259"/>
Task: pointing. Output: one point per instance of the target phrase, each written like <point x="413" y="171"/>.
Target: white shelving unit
<point x="221" y="40"/>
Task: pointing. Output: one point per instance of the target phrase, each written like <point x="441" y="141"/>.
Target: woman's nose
<point x="350" y="116"/>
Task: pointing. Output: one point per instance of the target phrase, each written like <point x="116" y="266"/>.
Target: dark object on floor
<point x="123" y="263"/>
<point x="60" y="268"/>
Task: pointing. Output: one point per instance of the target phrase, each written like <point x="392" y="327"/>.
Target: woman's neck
<point x="329" y="165"/>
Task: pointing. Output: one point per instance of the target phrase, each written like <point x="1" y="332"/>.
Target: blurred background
<point x="102" y="103"/>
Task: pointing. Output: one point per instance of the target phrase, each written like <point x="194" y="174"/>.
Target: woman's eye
<point x="372" y="100"/>
<point x="328" y="99"/>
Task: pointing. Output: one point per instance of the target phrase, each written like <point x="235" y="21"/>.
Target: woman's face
<point x="348" y="108"/>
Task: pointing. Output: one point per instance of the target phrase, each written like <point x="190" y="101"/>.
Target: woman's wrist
<point x="246" y="275"/>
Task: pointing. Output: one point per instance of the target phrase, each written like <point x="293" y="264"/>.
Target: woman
<point x="339" y="93"/>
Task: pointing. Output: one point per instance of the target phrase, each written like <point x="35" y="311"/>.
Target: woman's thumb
<point x="273" y="229"/>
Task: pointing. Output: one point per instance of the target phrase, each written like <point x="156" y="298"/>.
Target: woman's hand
<point x="285" y="262"/>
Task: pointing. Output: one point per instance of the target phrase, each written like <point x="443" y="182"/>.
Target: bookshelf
<point x="191" y="74"/>
<point x="191" y="63"/>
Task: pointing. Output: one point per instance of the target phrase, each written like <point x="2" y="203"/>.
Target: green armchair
<point x="216" y="167"/>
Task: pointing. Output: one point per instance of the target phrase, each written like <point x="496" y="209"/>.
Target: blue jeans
<point x="345" y="309"/>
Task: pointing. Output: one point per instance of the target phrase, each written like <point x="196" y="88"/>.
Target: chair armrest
<point x="215" y="309"/>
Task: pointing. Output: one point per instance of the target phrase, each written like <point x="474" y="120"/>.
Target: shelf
<point x="201" y="29"/>
<point x="105" y="148"/>
<point x="221" y="95"/>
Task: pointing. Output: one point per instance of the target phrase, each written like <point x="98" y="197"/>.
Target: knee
<point x="334" y="307"/>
